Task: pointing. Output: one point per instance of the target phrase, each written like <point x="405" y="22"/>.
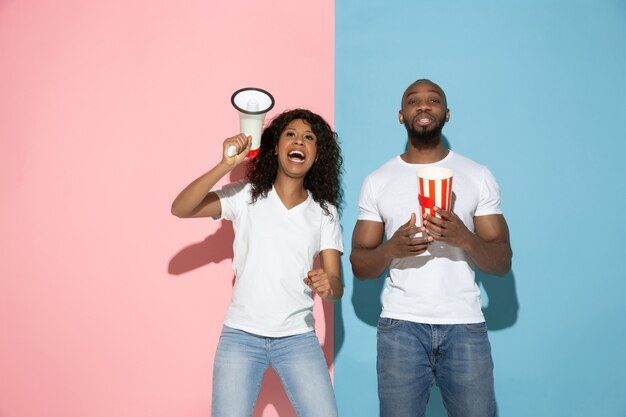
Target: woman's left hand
<point x="319" y="282"/>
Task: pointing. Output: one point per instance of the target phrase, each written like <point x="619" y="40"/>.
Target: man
<point x="431" y="328"/>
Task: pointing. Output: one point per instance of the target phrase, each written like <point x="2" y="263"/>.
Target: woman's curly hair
<point x="323" y="179"/>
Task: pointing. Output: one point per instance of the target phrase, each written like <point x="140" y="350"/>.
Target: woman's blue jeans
<point x="242" y="359"/>
<point x="414" y="356"/>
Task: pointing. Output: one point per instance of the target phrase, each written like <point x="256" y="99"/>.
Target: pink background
<point x="110" y="306"/>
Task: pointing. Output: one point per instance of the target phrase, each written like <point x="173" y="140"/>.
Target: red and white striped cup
<point x="435" y="189"/>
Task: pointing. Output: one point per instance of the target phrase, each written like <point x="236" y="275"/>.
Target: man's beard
<point x="424" y="139"/>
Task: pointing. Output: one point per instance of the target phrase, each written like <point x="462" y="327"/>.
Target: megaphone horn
<point x="253" y="104"/>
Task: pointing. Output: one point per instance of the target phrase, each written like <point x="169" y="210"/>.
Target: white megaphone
<point x="252" y="104"/>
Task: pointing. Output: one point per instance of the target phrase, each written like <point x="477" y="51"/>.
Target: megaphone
<point x="252" y="104"/>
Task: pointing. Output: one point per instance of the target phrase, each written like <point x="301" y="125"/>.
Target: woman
<point x="284" y="216"/>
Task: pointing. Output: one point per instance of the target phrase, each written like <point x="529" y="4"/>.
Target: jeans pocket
<point x="476" y="327"/>
<point x="386" y="323"/>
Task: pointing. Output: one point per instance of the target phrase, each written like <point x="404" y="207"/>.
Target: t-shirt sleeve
<point x="331" y="231"/>
<point x="489" y="202"/>
<point x="232" y="199"/>
<point x="368" y="209"/>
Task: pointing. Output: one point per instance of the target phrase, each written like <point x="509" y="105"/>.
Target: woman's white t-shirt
<point x="274" y="249"/>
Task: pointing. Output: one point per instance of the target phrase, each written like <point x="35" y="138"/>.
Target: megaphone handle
<point x="231" y="151"/>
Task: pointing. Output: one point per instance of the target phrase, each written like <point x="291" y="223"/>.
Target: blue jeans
<point x="414" y="356"/>
<point x="242" y="359"/>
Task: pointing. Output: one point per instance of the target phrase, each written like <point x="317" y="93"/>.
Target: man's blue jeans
<point x="414" y="356"/>
<point x="242" y="359"/>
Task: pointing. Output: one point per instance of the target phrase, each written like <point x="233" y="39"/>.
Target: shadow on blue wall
<point x="503" y="307"/>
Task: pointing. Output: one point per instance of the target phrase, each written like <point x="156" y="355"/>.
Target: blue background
<point x="537" y="93"/>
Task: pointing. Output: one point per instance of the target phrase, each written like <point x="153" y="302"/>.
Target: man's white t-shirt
<point x="274" y="249"/>
<point x="437" y="286"/>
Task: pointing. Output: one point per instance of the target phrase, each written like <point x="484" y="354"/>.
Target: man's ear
<point x="447" y="115"/>
<point x="400" y="118"/>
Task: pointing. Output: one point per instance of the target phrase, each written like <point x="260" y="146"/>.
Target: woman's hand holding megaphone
<point x="235" y="149"/>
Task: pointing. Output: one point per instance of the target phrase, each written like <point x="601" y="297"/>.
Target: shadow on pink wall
<point x="217" y="248"/>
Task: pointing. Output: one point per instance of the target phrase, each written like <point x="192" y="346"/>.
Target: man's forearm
<point x="490" y="257"/>
<point x="369" y="263"/>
